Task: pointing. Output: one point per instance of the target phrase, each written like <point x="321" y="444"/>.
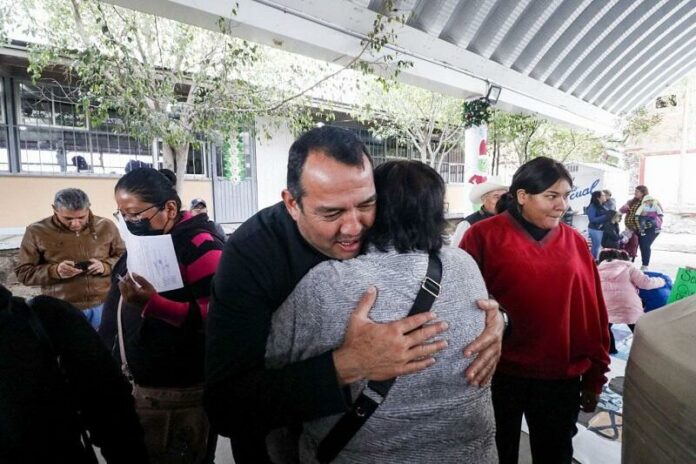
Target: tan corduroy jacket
<point x="47" y="243"/>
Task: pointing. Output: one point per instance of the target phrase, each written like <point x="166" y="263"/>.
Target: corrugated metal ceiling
<point x="615" y="54"/>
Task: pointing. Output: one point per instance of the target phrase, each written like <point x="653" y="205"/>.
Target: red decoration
<point x="477" y="179"/>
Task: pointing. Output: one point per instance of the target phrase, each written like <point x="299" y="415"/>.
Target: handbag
<point x="375" y="392"/>
<point x="175" y="424"/>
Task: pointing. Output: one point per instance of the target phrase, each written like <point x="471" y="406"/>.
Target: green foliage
<point x="374" y="44"/>
<point x="13" y="21"/>
<point x="430" y="122"/>
<point x="639" y="122"/>
<point x="160" y="79"/>
<point x="523" y="137"/>
<point x="155" y="78"/>
<point x="476" y="112"/>
<point x="5" y="22"/>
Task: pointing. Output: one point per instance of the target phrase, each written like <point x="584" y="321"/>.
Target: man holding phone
<point x="70" y="254"/>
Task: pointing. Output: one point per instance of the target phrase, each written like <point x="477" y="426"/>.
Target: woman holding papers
<point x="158" y="336"/>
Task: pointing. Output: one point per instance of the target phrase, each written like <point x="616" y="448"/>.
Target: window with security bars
<point x="55" y="137"/>
<point x="451" y="167"/>
<point x="4" y="153"/>
<point x="198" y="159"/>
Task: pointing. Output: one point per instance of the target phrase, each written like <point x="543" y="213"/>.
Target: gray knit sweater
<point x="430" y="416"/>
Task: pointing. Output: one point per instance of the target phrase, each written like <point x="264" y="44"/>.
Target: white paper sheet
<point x="152" y="257"/>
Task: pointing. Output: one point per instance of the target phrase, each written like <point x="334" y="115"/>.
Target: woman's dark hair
<point x="533" y="177"/>
<point x="642" y="189"/>
<point x="335" y="142"/>
<point x="410" y="207"/>
<point x="150" y="185"/>
<point x="594" y="199"/>
<point x="610" y="254"/>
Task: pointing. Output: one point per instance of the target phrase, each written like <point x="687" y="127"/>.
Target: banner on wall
<point x="476" y="159"/>
<point x="590" y="177"/>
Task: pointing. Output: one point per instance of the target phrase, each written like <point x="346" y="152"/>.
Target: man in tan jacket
<point x="71" y="254"/>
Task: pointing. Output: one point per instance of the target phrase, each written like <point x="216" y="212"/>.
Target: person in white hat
<point x="487" y="193"/>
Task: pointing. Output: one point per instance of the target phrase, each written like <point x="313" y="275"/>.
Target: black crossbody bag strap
<point x="375" y="392"/>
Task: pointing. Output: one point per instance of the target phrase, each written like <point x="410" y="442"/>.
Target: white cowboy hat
<point x="479" y="190"/>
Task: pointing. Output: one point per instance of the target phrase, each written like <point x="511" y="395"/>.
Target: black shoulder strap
<point x="375" y="392"/>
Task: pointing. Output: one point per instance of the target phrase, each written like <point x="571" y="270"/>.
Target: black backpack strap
<point x="45" y="341"/>
<point x="375" y="393"/>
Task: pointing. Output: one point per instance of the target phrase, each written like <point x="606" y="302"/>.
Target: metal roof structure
<point x="581" y="62"/>
<point x="612" y="54"/>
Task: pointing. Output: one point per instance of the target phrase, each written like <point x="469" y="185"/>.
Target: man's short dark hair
<point x="340" y="144"/>
<point x="72" y="199"/>
<point x="410" y="207"/>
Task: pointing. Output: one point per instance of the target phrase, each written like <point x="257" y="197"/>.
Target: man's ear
<point x="291" y="204"/>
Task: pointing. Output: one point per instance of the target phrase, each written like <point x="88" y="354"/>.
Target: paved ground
<point x="672" y="251"/>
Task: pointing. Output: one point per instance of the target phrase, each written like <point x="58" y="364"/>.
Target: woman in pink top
<point x="620" y="284"/>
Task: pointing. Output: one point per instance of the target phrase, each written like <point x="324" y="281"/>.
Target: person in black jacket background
<point x="611" y="238"/>
<point x="597" y="216"/>
<point x="39" y="402"/>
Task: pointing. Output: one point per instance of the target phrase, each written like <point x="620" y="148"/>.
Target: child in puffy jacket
<point x="649" y="214"/>
<point x="620" y="284"/>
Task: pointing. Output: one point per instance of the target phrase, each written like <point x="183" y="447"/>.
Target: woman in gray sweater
<point x="433" y="415"/>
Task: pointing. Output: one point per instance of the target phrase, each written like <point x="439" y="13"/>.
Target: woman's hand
<point x="136" y="290"/>
<point x="588" y="401"/>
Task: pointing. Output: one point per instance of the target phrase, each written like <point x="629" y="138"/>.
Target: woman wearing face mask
<point x="162" y="333"/>
<point x="539" y="269"/>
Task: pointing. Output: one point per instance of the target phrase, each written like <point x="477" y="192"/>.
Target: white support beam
<point x="331" y="30"/>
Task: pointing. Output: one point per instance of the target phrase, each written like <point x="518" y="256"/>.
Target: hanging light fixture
<point x="493" y="93"/>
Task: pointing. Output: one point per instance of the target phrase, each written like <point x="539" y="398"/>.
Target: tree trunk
<point x="167" y="158"/>
<point x="497" y="157"/>
<point x="423" y="149"/>
<point x="181" y="158"/>
<point x="175" y="158"/>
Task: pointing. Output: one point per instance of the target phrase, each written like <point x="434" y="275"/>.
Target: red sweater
<point x="551" y="291"/>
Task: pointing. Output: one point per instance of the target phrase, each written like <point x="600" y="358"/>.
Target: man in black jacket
<point x="39" y="398"/>
<point x="327" y="207"/>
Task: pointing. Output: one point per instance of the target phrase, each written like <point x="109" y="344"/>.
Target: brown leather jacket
<point x="47" y="243"/>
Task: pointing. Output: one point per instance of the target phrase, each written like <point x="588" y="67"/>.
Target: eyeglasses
<point x="135" y="217"/>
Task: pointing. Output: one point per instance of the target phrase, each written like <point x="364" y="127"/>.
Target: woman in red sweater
<point x="541" y="272"/>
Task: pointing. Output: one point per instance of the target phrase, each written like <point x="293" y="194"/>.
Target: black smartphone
<point x="83" y="265"/>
